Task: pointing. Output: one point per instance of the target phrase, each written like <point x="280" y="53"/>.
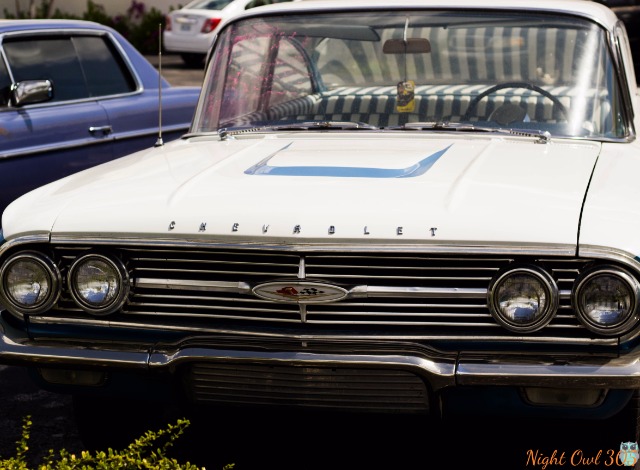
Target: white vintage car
<point x="423" y="207"/>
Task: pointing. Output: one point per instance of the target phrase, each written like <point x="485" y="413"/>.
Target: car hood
<point x="298" y="188"/>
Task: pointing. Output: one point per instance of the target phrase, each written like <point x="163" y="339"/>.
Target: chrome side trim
<point x="79" y="143"/>
<point x="171" y="128"/>
<point x="107" y="138"/>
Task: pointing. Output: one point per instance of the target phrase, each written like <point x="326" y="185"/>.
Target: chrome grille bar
<point x="389" y="293"/>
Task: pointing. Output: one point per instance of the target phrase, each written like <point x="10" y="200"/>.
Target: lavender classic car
<point x="422" y="207"/>
<point x="74" y="94"/>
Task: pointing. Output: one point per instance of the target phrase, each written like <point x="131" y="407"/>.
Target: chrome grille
<point x="317" y="387"/>
<point x="442" y="296"/>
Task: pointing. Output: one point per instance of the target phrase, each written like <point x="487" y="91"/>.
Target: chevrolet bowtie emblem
<point x="301" y="292"/>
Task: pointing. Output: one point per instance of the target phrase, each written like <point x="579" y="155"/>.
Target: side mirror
<point x="410" y="46"/>
<point x="31" y="91"/>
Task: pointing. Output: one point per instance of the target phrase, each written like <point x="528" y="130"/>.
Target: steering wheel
<point x="502" y="117"/>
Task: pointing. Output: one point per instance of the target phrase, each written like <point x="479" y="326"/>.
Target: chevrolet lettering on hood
<point x="331" y="230"/>
<point x="432" y="201"/>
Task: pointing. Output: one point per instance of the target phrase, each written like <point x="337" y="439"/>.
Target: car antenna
<point x="159" y="142"/>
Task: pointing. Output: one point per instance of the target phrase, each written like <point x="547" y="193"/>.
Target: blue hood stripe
<point x="417" y="169"/>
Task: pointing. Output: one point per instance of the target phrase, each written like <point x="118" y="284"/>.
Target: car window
<point x="103" y="68"/>
<point x="208" y="4"/>
<point x="5" y="83"/>
<point x="259" y="3"/>
<point x="79" y="67"/>
<point x="48" y="58"/>
<point x="252" y="70"/>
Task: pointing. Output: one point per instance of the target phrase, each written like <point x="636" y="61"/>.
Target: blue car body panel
<point x="43" y="142"/>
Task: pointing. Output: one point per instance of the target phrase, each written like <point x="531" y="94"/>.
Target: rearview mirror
<point x="410" y="46"/>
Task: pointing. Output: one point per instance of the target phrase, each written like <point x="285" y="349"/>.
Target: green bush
<point x="140" y="454"/>
<point x="139" y="25"/>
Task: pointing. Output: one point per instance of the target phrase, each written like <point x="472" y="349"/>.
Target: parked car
<point x="422" y="207"/>
<point x="189" y="31"/>
<point x="74" y="94"/>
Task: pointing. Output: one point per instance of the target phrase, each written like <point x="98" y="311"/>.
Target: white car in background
<point x="189" y="30"/>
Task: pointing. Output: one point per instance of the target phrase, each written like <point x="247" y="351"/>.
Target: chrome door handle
<point x="104" y="129"/>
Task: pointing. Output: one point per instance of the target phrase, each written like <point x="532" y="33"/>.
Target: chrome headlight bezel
<point x="119" y="272"/>
<point x="629" y="319"/>
<point x="546" y="283"/>
<point x="50" y="271"/>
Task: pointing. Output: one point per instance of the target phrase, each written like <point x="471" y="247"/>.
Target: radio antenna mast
<point x="159" y="142"/>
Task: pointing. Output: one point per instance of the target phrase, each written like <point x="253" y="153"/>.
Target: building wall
<point x="77" y="7"/>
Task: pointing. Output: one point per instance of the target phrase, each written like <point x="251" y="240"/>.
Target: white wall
<point x="77" y="7"/>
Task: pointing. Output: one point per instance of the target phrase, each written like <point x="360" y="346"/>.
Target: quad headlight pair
<point x="525" y="299"/>
<point x="31" y="283"/>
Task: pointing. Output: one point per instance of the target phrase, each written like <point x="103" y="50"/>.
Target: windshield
<point x="408" y="70"/>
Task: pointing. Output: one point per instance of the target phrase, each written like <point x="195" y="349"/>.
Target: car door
<point x="46" y="141"/>
<point x="134" y="118"/>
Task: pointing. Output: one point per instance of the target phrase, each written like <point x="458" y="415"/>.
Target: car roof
<point x="28" y="25"/>
<point x="585" y="8"/>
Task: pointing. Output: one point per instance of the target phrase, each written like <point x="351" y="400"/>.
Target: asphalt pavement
<point x="175" y="71"/>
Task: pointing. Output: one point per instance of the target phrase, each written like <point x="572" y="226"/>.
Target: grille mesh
<point x="315" y="387"/>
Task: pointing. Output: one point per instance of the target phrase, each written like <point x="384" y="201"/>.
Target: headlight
<point x="99" y="284"/>
<point x="606" y="300"/>
<point x="30" y="283"/>
<point x="523" y="299"/>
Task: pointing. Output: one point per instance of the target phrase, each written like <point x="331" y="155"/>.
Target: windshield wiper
<point x="328" y="125"/>
<point x="542" y="136"/>
<point x="298" y="126"/>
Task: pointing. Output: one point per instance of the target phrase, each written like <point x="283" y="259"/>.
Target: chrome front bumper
<point x="439" y="369"/>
